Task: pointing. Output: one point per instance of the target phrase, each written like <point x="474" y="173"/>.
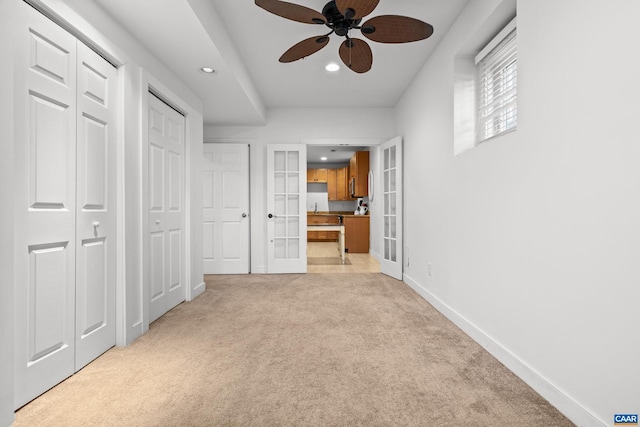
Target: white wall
<point x="533" y="237"/>
<point x="291" y="126"/>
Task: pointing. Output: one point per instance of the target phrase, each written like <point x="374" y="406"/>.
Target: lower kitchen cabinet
<point x="322" y="236"/>
<point x="356" y="233"/>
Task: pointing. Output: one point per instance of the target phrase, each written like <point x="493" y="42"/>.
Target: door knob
<point x="244" y="215"/>
<point x="271" y="215"/>
<point x="157" y="221"/>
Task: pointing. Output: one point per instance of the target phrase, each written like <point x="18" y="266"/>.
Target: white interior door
<point x="166" y="208"/>
<point x="96" y="207"/>
<point x="64" y="276"/>
<point x="45" y="207"/>
<point x="391" y="167"/>
<point x="226" y="208"/>
<point x="286" y="208"/>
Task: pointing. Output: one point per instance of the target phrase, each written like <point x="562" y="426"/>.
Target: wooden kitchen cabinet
<point x="356" y="233"/>
<point x="332" y="184"/>
<point x="338" y="184"/>
<point x="317" y="175"/>
<point x="342" y="183"/>
<point x="358" y="174"/>
<point x="322" y="236"/>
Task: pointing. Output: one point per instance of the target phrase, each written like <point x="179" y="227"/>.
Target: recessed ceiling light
<point x="333" y="67"/>
<point x="207" y="70"/>
<point x="323" y="158"/>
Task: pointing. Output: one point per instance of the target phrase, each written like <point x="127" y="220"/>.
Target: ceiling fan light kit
<point x="341" y="17"/>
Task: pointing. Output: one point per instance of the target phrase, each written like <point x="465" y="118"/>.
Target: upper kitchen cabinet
<point x="317" y="175"/>
<point x="338" y="184"/>
<point x="358" y="173"/>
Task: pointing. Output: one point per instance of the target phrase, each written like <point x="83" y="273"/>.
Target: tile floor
<point x="360" y="263"/>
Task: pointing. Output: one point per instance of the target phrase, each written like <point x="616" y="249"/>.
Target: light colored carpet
<point x="296" y="350"/>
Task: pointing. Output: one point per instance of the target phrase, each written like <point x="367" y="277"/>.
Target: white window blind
<point x="497" y="86"/>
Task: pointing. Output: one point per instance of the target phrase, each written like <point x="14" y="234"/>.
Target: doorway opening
<point x="334" y="203"/>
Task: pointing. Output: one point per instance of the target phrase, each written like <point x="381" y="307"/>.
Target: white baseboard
<point x="8" y="420"/>
<point x="198" y="289"/>
<point x="133" y="333"/>
<point x="564" y="403"/>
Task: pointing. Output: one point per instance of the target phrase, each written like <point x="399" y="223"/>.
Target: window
<point x="497" y="78"/>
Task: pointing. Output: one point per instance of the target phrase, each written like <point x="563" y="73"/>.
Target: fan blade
<point x="396" y="29"/>
<point x="292" y="11"/>
<point x="356" y="54"/>
<point x="360" y="8"/>
<point x="304" y="48"/>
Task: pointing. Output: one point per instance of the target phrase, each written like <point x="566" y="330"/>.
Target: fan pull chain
<point x="350" y="46"/>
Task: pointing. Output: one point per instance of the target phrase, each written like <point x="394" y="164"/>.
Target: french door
<point x="65" y="223"/>
<point x="286" y="208"/>
<point x="391" y="168"/>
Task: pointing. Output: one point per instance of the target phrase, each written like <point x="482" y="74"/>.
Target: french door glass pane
<point x="392" y="155"/>
<point x="280" y="183"/>
<point x="293" y="161"/>
<point x="279" y="161"/>
<point x="294" y="248"/>
<point x="294" y="183"/>
<point x="294" y="205"/>
<point x="392" y="255"/>
<point x="280" y="229"/>
<point x="280" y="206"/>
<point x="280" y="248"/>
<point x="392" y="227"/>
<point x="294" y="227"/>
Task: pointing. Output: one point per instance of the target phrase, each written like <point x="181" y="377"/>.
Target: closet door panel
<point x="96" y="206"/>
<point x="45" y="241"/>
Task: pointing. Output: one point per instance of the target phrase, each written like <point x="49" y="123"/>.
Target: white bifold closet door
<point x="65" y="205"/>
<point x="166" y="208"/>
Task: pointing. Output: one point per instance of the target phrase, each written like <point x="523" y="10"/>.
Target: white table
<point x="331" y="227"/>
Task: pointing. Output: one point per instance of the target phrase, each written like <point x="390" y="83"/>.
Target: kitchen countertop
<point x="349" y="214"/>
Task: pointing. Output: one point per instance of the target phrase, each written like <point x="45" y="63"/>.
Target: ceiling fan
<point x="342" y="16"/>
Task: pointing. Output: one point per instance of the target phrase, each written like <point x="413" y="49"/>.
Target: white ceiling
<point x="243" y="43"/>
<point x="333" y="154"/>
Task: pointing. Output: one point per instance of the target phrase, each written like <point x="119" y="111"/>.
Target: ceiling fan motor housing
<point x="337" y="21"/>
